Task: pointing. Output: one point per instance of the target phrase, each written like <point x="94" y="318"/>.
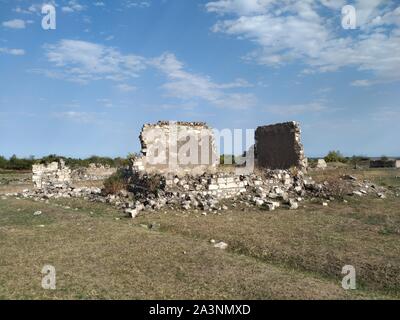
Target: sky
<point x="88" y="86"/>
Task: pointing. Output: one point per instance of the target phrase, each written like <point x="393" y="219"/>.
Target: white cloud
<point x="79" y="117"/>
<point x="187" y="86"/>
<point x="295" y="109"/>
<point x="105" y="102"/>
<point x="14" y="24"/>
<point x="35" y="8"/>
<point x="300" y="31"/>
<point x="14" y="52"/>
<point x="82" y="61"/>
<point x="361" y="83"/>
<point x="241" y="7"/>
<point x="20" y="10"/>
<point x="67" y="9"/>
<point x="99" y="4"/>
<point x="73" y="6"/>
<point x="390" y="114"/>
<point x="125" y="87"/>
<point x="136" y="4"/>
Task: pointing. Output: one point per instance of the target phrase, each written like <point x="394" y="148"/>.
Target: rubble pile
<point x="269" y="190"/>
<point x="207" y="191"/>
<point x="149" y="185"/>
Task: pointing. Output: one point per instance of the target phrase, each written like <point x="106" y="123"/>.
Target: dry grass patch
<point x="99" y="257"/>
<point x="313" y="239"/>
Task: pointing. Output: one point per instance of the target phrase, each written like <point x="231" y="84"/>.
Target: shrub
<point x="152" y="183"/>
<point x="15" y="163"/>
<point x="147" y="184"/>
<point x="115" y="183"/>
<point x="335" y="156"/>
<point x="355" y="161"/>
<point x="337" y="187"/>
<point x="3" y="162"/>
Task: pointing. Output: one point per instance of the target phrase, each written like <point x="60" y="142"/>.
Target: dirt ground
<point x="100" y="254"/>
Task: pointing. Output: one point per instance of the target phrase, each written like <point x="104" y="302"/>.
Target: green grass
<point x="14" y="181"/>
<point x="99" y="254"/>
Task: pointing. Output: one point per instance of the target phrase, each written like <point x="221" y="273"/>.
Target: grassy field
<point x="99" y="254"/>
<point x="14" y="181"/>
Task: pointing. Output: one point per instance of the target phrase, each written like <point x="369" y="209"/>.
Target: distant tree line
<point x="15" y="163"/>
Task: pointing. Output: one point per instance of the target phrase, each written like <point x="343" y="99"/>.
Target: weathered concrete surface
<point x="278" y="146"/>
<point x="177" y="147"/>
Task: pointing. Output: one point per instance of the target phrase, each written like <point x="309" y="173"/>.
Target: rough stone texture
<point x="165" y="148"/>
<point x="267" y="190"/>
<point x="384" y="164"/>
<point x="205" y="192"/>
<point x="278" y="146"/>
<point x="321" y="164"/>
<point x="152" y="186"/>
<point x="54" y="174"/>
<point x="95" y="171"/>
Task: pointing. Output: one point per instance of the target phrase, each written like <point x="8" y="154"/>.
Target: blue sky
<point x="110" y="66"/>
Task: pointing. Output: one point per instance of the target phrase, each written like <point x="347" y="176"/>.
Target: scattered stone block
<point x="321" y="164"/>
<point x="221" y="245"/>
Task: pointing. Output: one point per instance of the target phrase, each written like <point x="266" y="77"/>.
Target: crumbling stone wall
<point x="177" y="147"/>
<point x="94" y="172"/>
<point x="384" y="164"/>
<point x="220" y="185"/>
<point x="278" y="146"/>
<point x="54" y="174"/>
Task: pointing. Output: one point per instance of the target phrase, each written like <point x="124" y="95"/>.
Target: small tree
<point x="355" y="160"/>
<point x="116" y="182"/>
<point x="335" y="156"/>
<point x="3" y="162"/>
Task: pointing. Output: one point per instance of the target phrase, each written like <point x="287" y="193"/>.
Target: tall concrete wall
<point x="278" y="146"/>
<point x="177" y="147"/>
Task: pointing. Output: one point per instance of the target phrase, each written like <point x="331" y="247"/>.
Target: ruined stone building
<point x="278" y="146"/>
<point x="177" y="147"/>
<point x="189" y="147"/>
